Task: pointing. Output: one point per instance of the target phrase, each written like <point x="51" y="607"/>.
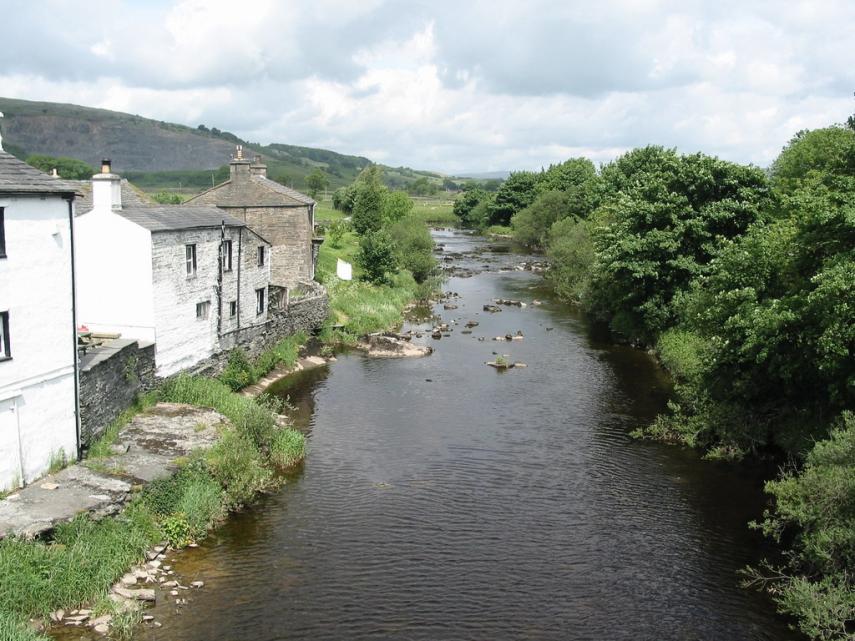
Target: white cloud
<point x="451" y="86"/>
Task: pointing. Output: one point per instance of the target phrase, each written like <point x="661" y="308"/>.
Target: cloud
<point x="450" y="86"/>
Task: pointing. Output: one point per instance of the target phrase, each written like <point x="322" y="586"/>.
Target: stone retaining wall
<point x="111" y="377"/>
<point x="285" y="318"/>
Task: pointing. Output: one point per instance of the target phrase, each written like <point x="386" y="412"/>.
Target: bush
<point x="287" y="448"/>
<point x="531" y="225"/>
<point x="377" y="257"/>
<point x="414" y="246"/>
<point x="396" y="206"/>
<point x="571" y="256"/>
<point x="238" y="466"/>
<point x="238" y="372"/>
<point x="336" y="231"/>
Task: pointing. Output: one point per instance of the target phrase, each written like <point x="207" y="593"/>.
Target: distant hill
<point x="163" y="155"/>
<point x="484" y="175"/>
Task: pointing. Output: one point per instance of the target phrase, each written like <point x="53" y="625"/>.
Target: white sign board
<point x="344" y="270"/>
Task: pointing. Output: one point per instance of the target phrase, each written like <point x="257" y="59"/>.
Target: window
<point x="202" y="309"/>
<point x="4" y="337"/>
<point x="259" y="300"/>
<point x="2" y="234"/>
<point x="190" y="258"/>
<point x="233" y="309"/>
<point x="226" y="255"/>
<point x="261" y="256"/>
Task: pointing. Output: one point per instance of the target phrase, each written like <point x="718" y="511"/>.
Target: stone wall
<point x="111" y="377"/>
<point x="285" y="318"/>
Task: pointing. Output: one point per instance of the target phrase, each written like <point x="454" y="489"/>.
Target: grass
<point x="240" y="371"/>
<point x="85" y="557"/>
<point x="435" y="211"/>
<point x="498" y="230"/>
<point x="101" y="447"/>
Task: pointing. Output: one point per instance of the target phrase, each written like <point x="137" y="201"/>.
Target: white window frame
<point x="260" y="301"/>
<point x="5" y="345"/>
<point x="203" y="310"/>
<point x="226" y="255"/>
<point x="190" y="259"/>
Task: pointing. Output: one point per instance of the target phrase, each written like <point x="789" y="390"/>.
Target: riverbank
<point x="172" y="490"/>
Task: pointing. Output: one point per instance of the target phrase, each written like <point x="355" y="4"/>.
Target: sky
<point x="452" y="86"/>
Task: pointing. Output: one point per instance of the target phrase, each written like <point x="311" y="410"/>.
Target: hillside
<point x="163" y="155"/>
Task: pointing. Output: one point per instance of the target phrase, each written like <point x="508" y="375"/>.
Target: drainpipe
<point x="240" y="251"/>
<point x="74" y="334"/>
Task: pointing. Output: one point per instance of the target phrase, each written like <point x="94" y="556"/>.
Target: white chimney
<point x="106" y="189"/>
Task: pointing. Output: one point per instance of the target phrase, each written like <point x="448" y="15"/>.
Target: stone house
<point x="189" y="279"/>
<point x="38" y="354"/>
<point x="282" y="215"/>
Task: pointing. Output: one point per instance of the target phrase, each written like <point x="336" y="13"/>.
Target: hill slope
<point x="159" y="154"/>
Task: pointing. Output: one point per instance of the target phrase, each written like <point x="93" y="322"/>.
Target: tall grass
<point x="240" y="371"/>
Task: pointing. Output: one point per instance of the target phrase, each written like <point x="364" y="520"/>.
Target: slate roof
<point x="131" y="196"/>
<point x="251" y="191"/>
<point x="18" y="177"/>
<point x="176" y="218"/>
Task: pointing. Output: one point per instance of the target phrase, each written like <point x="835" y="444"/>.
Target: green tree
<point x="465" y="203"/>
<point x="317" y="181"/>
<point x="567" y="175"/>
<point x="414" y="246"/>
<point x="515" y="194"/>
<point x="396" y="206"/>
<point x="68" y="168"/>
<point x="368" y="200"/>
<point x="377" y="256"/>
<point x="571" y="257"/>
<point x="672" y="216"/>
<point x="830" y="151"/>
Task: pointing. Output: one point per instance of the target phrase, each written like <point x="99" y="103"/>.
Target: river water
<point x="442" y="499"/>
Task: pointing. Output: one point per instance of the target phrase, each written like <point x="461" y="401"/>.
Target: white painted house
<point x="187" y="279"/>
<point x="38" y="351"/>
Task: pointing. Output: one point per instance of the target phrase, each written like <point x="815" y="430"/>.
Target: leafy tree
<point x="532" y="224"/>
<point x="317" y="181"/>
<point x="396" y="206"/>
<point x="515" y="194"/>
<point x="368" y="200"/>
<point x="671" y="217"/>
<point x="567" y="175"/>
<point x="377" y="256"/>
<point x="830" y="151"/>
<point x="414" y="246"/>
<point x="465" y="203"/>
<point x="571" y="257"/>
<point x="342" y="199"/>
<point x="168" y="198"/>
<point x="422" y="187"/>
<point x="68" y="168"/>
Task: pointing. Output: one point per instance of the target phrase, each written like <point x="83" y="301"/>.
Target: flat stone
<point x="104" y="619"/>
<point x="142" y="594"/>
<point x="197" y="584"/>
<point x="49" y="486"/>
<point x="101" y="628"/>
<point x="169" y="584"/>
<point x="128" y="579"/>
<point x="154" y="564"/>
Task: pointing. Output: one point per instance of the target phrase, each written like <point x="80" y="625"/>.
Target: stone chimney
<point x="239" y="168"/>
<point x="106" y="188"/>
<point x="258" y="168"/>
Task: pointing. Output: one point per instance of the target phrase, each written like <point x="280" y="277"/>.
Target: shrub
<point x="237" y="464"/>
<point x="377" y="257"/>
<point x="287" y="448"/>
<point x="239" y="372"/>
<point x="336" y="231"/>
<point x="532" y="224"/>
<point x="176" y="530"/>
<point x="414" y="246"/>
<point x="571" y="256"/>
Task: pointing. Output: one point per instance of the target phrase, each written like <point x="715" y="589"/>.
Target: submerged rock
<point x="393" y="346"/>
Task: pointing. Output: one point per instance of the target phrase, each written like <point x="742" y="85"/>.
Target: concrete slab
<point x="152" y="442"/>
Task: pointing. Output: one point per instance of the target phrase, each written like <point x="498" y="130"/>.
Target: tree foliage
<point x="68" y="168"/>
<point x="316" y="181"/>
<point x="378" y="257"/>
<point x="515" y="194"/>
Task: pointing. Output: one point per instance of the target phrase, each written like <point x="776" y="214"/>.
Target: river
<point x="441" y="499"/>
